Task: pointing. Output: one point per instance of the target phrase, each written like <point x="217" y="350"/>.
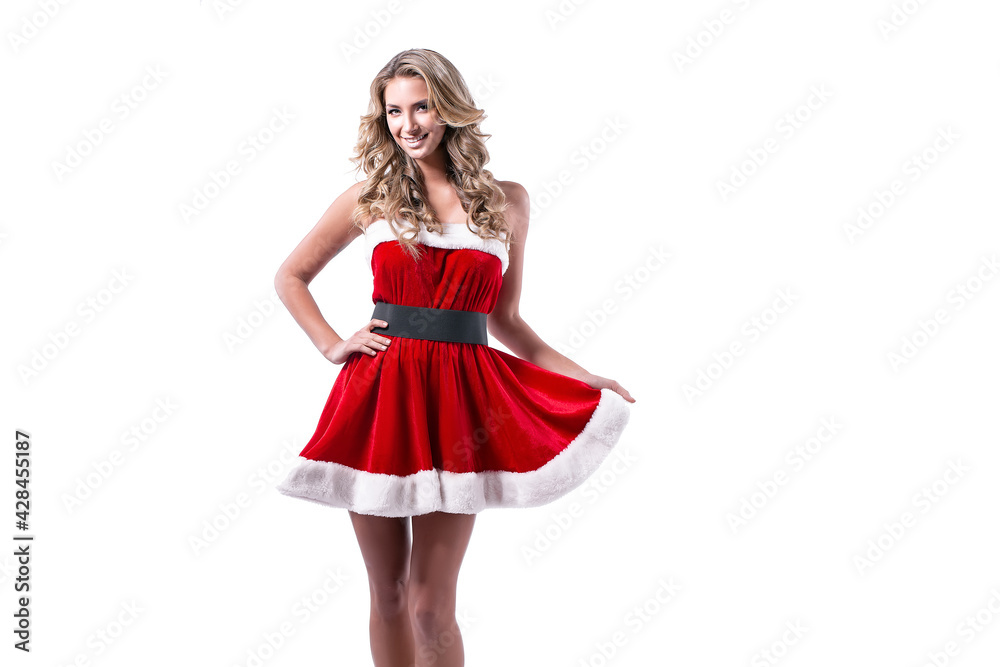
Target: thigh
<point x="385" y="546"/>
<point x="439" y="544"/>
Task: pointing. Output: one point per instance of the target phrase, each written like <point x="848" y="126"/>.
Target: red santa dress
<point x="428" y="425"/>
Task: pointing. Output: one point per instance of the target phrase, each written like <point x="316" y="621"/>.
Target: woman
<point x="427" y="424"/>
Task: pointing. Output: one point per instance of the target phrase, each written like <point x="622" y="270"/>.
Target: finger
<point x="379" y="338"/>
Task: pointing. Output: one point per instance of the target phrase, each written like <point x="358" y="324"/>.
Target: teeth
<point x="413" y="141"/>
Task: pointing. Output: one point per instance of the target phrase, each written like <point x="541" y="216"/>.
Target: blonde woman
<point x="426" y="425"/>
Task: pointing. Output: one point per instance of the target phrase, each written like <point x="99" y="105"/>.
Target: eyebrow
<point x="414" y="104"/>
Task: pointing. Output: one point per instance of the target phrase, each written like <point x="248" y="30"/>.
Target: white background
<point x="662" y="135"/>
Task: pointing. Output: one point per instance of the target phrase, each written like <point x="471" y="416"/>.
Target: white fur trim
<point x="337" y="485"/>
<point x="454" y="236"/>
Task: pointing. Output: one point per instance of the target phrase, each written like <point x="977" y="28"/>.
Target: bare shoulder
<point x="517" y="204"/>
<point x="343" y="210"/>
<point x="338" y="221"/>
<point x="352" y="194"/>
<point x="334" y="231"/>
<point x="355" y="190"/>
<point x="516" y="194"/>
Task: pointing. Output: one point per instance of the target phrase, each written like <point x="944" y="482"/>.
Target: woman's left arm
<point x="504" y="322"/>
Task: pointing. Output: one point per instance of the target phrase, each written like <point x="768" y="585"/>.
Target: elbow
<point x="282" y="279"/>
<point x="501" y="325"/>
<point x="279" y="282"/>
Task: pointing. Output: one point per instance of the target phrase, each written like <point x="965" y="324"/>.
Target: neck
<point x="433" y="168"/>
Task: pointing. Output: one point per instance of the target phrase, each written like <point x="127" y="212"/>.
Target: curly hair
<point x="395" y="189"/>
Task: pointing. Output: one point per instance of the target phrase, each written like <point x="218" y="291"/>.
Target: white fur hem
<point x="363" y="492"/>
<point x="454" y="236"/>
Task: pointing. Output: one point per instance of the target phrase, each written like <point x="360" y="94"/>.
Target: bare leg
<point x="385" y="547"/>
<point x="439" y="544"/>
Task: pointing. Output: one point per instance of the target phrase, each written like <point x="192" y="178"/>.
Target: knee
<point x="432" y="615"/>
<point x="389" y="598"/>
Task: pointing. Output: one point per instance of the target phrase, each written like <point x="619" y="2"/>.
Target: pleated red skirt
<point x="428" y="426"/>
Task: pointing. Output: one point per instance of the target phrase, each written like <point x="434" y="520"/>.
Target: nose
<point x="409" y="124"/>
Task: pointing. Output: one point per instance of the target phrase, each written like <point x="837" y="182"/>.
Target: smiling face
<point x="414" y="125"/>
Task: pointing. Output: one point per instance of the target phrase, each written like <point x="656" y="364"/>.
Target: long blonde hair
<point x="394" y="189"/>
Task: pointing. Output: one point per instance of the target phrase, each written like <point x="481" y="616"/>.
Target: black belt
<point x="442" y="324"/>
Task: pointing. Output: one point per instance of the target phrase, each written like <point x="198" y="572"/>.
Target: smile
<point x="414" y="142"/>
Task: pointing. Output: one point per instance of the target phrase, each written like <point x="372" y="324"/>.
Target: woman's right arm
<point x="332" y="233"/>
